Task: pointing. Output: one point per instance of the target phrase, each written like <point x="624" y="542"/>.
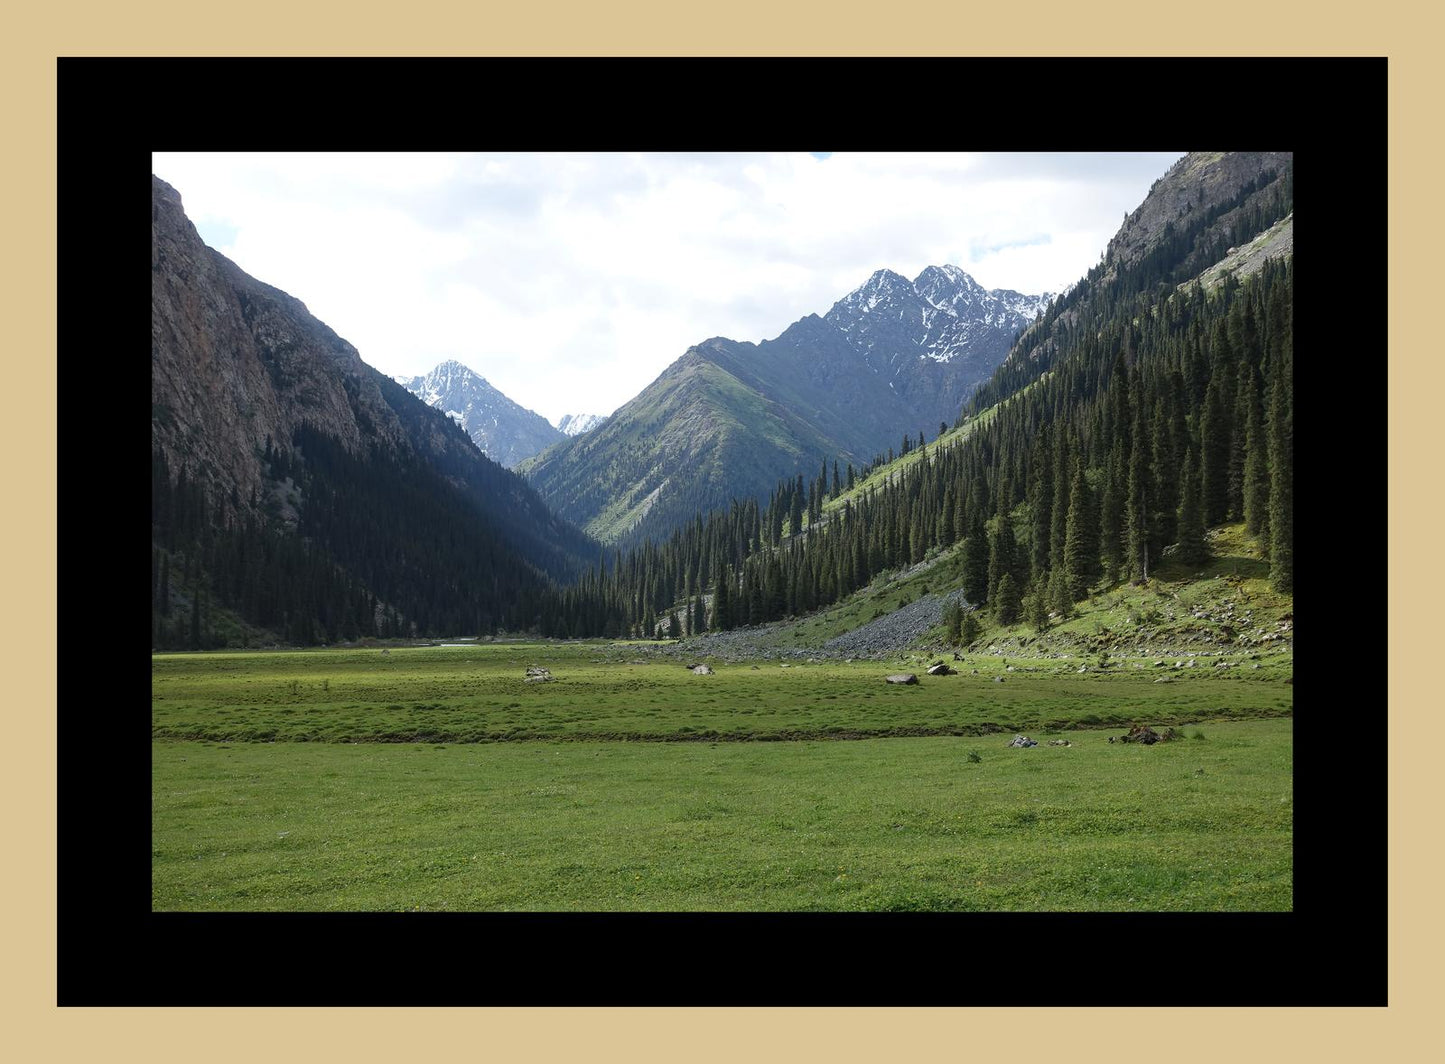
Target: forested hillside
<point x="1141" y="410"/>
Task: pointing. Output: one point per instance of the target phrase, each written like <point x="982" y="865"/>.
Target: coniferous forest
<point x="1160" y="417"/>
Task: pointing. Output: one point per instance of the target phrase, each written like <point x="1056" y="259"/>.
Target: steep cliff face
<point x="236" y="363"/>
<point x="1200" y="184"/>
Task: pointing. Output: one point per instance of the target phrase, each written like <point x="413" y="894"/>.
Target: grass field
<point x="881" y="824"/>
<point x="436" y="778"/>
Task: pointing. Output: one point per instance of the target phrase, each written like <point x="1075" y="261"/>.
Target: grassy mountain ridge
<point x="707" y="428"/>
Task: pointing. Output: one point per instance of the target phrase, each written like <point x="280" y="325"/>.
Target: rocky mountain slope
<point x="728" y="419"/>
<point x="504" y="431"/>
<point x="934" y="339"/>
<point x="1207" y="207"/>
<point x="265" y="422"/>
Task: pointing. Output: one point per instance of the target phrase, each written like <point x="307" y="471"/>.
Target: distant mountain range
<point x="503" y="430"/>
<point x="728" y="419"/>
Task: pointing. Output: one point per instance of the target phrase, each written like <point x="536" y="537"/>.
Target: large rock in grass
<point x="702" y="670"/>
<point x="901" y="677"/>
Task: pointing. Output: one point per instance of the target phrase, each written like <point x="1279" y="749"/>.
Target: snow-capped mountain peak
<point x="503" y="430"/>
<point x="576" y="424"/>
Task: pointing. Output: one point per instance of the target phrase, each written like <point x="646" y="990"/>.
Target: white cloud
<point x="571" y="281"/>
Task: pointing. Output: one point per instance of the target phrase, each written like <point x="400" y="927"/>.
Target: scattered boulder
<point x="384" y="651"/>
<point x="537" y="674"/>
<point x="941" y="670"/>
<point x="702" y="670"/>
<point x="1060" y="742"/>
<point x="998" y="679"/>
<point x="1022" y="741"/>
<point x="1142" y="733"/>
<point x="901" y="677"/>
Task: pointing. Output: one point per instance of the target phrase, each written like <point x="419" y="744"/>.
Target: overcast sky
<point x="571" y="281"/>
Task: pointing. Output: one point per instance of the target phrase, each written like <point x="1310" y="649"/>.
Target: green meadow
<point x="469" y="694"/>
<point x="436" y="778"/>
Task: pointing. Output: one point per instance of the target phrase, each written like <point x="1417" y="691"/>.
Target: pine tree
<point x="1164" y="474"/>
<point x="1136" y="512"/>
<point x="975" y="565"/>
<point x="1193" y="548"/>
<point x="1007" y="604"/>
<point x="1041" y="500"/>
<point x="1037" y="605"/>
<point x="1059" y="597"/>
<point x="163" y="595"/>
<point x="953" y="623"/>
<point x="195" y="635"/>
<point x="1058" y="528"/>
<point x="1256" y="461"/>
<point x="1081" y="541"/>
<point x="1111" y="516"/>
<point x="969" y="629"/>
<point x="1214" y="457"/>
<point x="721" y="610"/>
<point x="1281" y="475"/>
<point x="1238" y="441"/>
<point x="1001" y="555"/>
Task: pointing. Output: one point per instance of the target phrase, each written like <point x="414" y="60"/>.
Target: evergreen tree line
<point x="381" y="547"/>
